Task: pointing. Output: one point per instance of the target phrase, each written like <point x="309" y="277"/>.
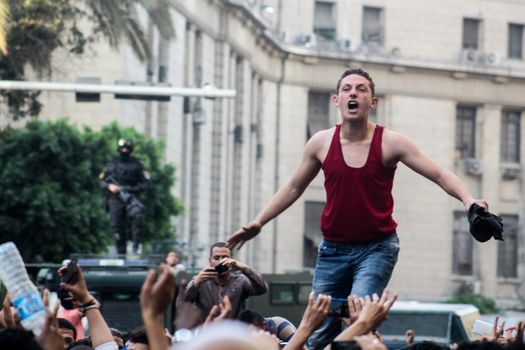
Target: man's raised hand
<point x="157" y="292"/>
<point x="375" y="309"/>
<point x="245" y="233"/>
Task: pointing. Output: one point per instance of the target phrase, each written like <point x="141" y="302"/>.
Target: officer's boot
<point x="120" y="243"/>
<point x="137" y="227"/>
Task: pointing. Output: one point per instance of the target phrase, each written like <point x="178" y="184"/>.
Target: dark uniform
<point x="128" y="173"/>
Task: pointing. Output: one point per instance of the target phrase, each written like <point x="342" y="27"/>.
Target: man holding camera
<point x="215" y="281"/>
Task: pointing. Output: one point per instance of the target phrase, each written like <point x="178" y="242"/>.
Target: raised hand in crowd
<point x="502" y="335"/>
<point x="155" y="297"/>
<point x="373" y="313"/>
<point x="50" y="338"/>
<point x="100" y="333"/>
<point x="220" y="312"/>
<point x="515" y="333"/>
<point x="45" y="301"/>
<point x="409" y="336"/>
<point x="314" y="315"/>
<point x="354" y="307"/>
<point x="188" y="316"/>
<point x="497" y="332"/>
<point x="9" y="317"/>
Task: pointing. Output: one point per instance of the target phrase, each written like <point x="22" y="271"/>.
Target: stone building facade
<point x="450" y="75"/>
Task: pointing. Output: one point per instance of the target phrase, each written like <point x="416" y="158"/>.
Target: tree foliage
<point x="36" y="28"/>
<point x="484" y="304"/>
<point x="51" y="204"/>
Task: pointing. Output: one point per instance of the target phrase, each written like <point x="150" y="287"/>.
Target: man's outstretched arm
<point x="410" y="155"/>
<point x="285" y="196"/>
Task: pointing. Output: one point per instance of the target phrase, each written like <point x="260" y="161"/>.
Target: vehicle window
<point x="304" y="293"/>
<point x="429" y="325"/>
<point x="457" y="333"/>
<point x="282" y="293"/>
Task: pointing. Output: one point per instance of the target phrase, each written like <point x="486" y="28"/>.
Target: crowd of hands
<point x="157" y="293"/>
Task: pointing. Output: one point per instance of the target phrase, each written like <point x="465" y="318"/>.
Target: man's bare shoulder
<point x="394" y="138"/>
<point x="322" y="137"/>
<point x="319" y="143"/>
<point x="395" y="144"/>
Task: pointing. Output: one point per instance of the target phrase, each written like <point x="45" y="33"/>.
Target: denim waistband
<point x="353" y="244"/>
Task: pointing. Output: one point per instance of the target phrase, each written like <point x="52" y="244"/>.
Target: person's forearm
<point x="258" y="285"/>
<point x="355" y="329"/>
<point x="285" y="197"/>
<point x="298" y="340"/>
<point x="100" y="332"/>
<point x="155" y="330"/>
<point x="453" y="185"/>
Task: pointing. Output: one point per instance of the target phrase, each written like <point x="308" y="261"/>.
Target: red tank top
<point x="359" y="201"/>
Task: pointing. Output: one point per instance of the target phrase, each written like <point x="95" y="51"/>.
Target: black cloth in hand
<point x="484" y="225"/>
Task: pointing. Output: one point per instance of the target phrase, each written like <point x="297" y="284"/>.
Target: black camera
<point x="68" y="276"/>
<point x="221" y="268"/>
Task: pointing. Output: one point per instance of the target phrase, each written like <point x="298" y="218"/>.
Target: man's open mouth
<point x="353" y="105"/>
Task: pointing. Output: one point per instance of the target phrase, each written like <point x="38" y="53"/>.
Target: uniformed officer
<point x="124" y="177"/>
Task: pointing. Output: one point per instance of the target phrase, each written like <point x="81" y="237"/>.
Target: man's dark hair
<point x="19" y="339"/>
<point x="219" y="245"/>
<point x="480" y="345"/>
<point x="79" y="347"/>
<point x="345" y="345"/>
<point x="252" y="317"/>
<point x="138" y="336"/>
<point x="116" y="333"/>
<point x="425" y="345"/>
<point x="82" y="344"/>
<point x="356" y="71"/>
<point x="65" y="324"/>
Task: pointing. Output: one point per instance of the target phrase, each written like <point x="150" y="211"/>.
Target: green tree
<point x="484" y="304"/>
<point x="51" y="204"/>
<point x="36" y="28"/>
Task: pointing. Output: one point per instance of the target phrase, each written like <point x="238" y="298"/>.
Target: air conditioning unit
<point x="344" y="44"/>
<point x="491" y="58"/>
<point x="472" y="286"/>
<point x="474" y="56"/>
<point x="307" y="40"/>
<point x="469" y="56"/>
<point x="473" y="166"/>
<point x="511" y="174"/>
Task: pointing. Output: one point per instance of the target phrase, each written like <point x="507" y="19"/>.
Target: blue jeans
<point x="358" y="269"/>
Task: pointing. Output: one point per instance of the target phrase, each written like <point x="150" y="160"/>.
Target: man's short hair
<point x="17" y="338"/>
<point x="252" y="317"/>
<point x="356" y="71"/>
<point x="82" y="342"/>
<point x="75" y="346"/>
<point x="219" y="245"/>
<point x="174" y="251"/>
<point x="65" y="324"/>
<point x="138" y="335"/>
